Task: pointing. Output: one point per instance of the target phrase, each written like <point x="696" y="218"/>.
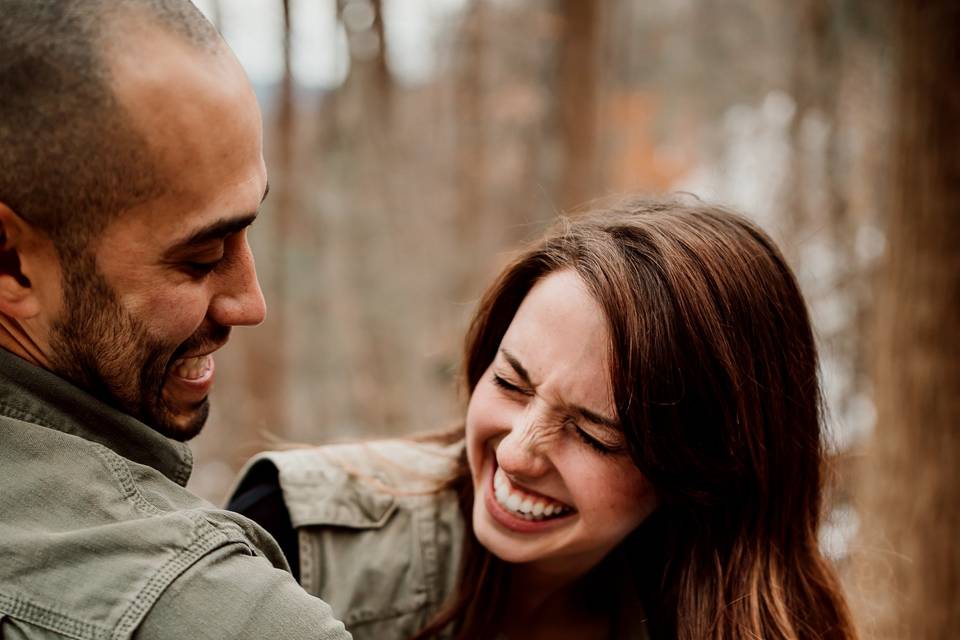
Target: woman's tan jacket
<point x="379" y="537"/>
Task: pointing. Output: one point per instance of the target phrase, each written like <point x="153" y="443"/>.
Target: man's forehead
<point x="180" y="98"/>
<point x="199" y="119"/>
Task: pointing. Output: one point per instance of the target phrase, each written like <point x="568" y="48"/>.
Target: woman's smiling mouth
<point x="519" y="510"/>
<point x="522" y="503"/>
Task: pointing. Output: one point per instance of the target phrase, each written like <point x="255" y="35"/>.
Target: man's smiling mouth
<point x="193" y="368"/>
<point x="190" y="378"/>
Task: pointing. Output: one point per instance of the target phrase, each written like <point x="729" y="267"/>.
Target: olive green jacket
<point x="380" y="539"/>
<point x="100" y="540"/>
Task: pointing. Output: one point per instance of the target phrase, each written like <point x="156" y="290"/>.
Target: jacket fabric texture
<point x="100" y="540"/>
<point x="379" y="537"/>
<point x="376" y="538"/>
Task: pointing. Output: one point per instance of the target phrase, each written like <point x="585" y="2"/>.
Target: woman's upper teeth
<point x="522" y="503"/>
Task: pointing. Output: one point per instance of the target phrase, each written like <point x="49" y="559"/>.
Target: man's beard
<point x="99" y="346"/>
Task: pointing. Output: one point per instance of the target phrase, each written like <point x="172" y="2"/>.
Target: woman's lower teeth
<point x="523" y="506"/>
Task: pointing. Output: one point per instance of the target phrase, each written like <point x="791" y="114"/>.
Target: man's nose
<point x="524" y="451"/>
<point x="239" y="300"/>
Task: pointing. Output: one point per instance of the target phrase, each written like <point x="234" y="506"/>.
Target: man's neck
<point x="17" y="341"/>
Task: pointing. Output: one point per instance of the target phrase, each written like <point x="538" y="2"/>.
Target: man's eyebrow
<point x="216" y="230"/>
<point x="583" y="412"/>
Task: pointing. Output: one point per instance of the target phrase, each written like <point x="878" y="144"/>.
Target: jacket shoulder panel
<point x="90" y="540"/>
<point x="379" y="530"/>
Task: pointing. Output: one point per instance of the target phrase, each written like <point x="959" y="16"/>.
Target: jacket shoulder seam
<point x="16" y="412"/>
<point x="49" y="618"/>
<point x="208" y="537"/>
<point x="114" y="463"/>
<point x="120" y="472"/>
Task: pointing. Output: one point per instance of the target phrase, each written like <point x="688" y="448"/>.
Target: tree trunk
<point x="470" y="145"/>
<point x="269" y="392"/>
<point x="578" y="101"/>
<point x="908" y="577"/>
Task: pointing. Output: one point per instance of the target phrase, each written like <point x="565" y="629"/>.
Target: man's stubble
<point x="101" y="347"/>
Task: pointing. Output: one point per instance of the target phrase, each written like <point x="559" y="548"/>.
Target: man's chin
<point x="181" y="425"/>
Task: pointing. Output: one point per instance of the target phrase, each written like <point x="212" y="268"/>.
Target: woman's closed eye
<point x="510" y="387"/>
<point x="604" y="445"/>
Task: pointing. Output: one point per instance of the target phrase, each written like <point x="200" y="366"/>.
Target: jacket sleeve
<point x="231" y="594"/>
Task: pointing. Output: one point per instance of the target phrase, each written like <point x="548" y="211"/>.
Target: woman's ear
<point x="18" y="298"/>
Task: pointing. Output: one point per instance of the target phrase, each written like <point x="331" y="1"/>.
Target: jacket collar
<point x="35" y="395"/>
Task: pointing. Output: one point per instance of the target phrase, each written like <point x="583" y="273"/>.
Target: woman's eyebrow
<point x="583" y="412"/>
<point x="596" y="418"/>
<point x="517" y="367"/>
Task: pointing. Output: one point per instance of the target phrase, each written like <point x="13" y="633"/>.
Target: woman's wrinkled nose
<point x="523" y="453"/>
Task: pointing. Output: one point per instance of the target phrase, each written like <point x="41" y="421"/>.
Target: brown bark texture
<point x="908" y="574"/>
<point x="578" y="101"/>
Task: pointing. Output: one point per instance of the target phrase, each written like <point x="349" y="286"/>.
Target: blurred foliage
<point x="395" y="196"/>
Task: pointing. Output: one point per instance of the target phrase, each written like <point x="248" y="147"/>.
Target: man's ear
<point x="18" y="299"/>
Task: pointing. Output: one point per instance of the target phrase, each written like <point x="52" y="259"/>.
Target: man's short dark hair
<point x="70" y="156"/>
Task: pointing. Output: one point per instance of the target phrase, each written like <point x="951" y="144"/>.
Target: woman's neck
<point x="542" y="604"/>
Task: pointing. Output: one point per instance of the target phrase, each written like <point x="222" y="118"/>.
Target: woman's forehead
<point x="559" y="336"/>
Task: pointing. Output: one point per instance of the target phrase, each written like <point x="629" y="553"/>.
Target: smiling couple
<point x="640" y="456"/>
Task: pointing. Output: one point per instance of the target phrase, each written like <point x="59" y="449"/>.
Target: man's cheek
<point x="173" y="319"/>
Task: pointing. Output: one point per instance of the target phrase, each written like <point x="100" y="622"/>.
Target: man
<point x="130" y="168"/>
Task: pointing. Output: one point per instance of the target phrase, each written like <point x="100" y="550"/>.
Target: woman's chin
<point x="514" y="540"/>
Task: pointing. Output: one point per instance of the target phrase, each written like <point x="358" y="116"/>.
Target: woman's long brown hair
<point x="714" y="371"/>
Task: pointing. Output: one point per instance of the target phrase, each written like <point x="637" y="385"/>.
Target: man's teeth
<point x="192" y="368"/>
<point x="522" y="504"/>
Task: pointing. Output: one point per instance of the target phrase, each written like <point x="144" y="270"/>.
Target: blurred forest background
<point x="412" y="144"/>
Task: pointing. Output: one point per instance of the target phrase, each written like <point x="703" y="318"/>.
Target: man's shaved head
<point x="70" y="155"/>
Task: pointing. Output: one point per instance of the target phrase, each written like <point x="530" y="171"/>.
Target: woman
<point x="641" y="457"/>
